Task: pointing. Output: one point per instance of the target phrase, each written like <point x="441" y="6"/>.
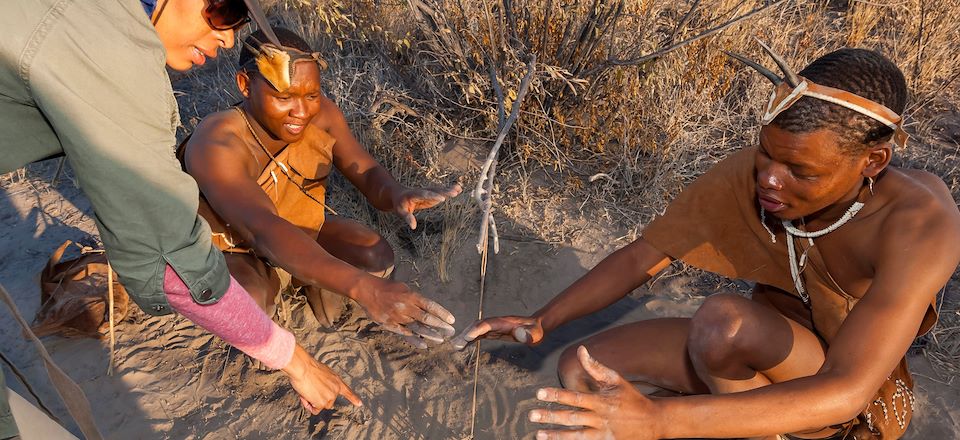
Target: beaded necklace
<point x="797" y="266"/>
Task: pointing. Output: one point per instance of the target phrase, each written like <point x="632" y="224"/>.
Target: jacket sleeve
<point x="99" y="78"/>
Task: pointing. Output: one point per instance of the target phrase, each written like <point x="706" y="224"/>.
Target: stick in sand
<point x="73" y="397"/>
<point x="113" y="339"/>
<point x="483" y="194"/>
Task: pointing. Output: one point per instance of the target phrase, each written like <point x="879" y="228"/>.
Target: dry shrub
<point x="597" y="105"/>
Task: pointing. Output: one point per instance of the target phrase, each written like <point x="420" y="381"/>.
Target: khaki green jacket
<point x="87" y="78"/>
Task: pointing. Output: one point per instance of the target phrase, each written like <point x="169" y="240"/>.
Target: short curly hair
<point x="863" y="72"/>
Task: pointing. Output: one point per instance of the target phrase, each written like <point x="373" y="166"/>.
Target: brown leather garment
<point x="298" y="191"/>
<point x="74" y="296"/>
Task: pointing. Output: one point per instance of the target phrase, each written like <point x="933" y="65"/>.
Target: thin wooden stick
<point x="113" y="339"/>
<point x="483" y="194"/>
<point x="476" y="355"/>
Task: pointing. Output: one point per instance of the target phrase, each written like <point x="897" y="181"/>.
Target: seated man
<point x="847" y="252"/>
<point x="262" y="168"/>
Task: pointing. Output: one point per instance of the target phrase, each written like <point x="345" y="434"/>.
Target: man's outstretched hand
<point x="410" y="201"/>
<point x="316" y="383"/>
<point x="617" y="411"/>
<point x="404" y="312"/>
<point x="506" y="328"/>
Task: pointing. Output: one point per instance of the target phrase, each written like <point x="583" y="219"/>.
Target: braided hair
<point x="863" y="72"/>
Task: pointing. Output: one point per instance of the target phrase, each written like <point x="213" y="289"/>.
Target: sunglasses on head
<point x="224" y="15"/>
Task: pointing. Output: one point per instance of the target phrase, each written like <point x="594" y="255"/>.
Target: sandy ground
<point x="175" y="381"/>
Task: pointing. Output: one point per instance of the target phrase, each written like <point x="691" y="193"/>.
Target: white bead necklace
<point x="797" y="266"/>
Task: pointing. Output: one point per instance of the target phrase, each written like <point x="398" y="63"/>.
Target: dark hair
<point x="286" y="36"/>
<point x="863" y="72"/>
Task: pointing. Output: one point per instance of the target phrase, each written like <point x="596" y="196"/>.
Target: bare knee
<point x="717" y="338"/>
<point x="572" y="375"/>
<point x="376" y="257"/>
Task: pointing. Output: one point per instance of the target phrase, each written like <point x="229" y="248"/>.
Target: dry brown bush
<point x="598" y="105"/>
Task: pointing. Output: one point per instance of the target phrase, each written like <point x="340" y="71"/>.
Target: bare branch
<point x="484" y="188"/>
<point x="652" y="56"/>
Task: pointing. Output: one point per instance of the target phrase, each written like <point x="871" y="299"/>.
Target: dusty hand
<point x="617" y="411"/>
<point x="413" y="200"/>
<point x="510" y="328"/>
<point x="316" y="383"/>
<point x="405" y="312"/>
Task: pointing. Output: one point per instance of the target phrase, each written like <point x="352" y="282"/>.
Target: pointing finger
<point x="348" y="393"/>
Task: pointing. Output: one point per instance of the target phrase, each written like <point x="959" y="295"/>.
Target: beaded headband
<point x="791" y="87"/>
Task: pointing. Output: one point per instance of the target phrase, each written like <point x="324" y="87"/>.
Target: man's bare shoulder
<point x="922" y="207"/>
<point x="224" y="125"/>
<point x="329" y="115"/>
<point x="219" y="139"/>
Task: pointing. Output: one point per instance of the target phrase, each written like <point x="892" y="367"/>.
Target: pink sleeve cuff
<point x="236" y="319"/>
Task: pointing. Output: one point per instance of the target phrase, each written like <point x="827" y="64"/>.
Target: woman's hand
<point x="509" y="328"/>
<point x="410" y="201"/>
<point x="617" y="411"/>
<point x="405" y="312"/>
<point x="317" y="385"/>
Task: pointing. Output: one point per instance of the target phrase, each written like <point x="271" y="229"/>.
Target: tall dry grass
<point x="597" y="105"/>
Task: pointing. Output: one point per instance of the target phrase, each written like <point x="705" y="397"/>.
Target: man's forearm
<point x="612" y="279"/>
<point x="799" y="405"/>
<point x="379" y="188"/>
<point x="236" y="319"/>
<point x="287" y="246"/>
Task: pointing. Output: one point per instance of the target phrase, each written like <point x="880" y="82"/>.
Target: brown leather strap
<point x="76" y="401"/>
